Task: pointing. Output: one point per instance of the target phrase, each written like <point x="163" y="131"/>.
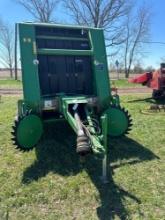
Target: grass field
<point x="123" y="83"/>
<point x="13" y="84"/>
<point x="50" y="183"/>
<point x="10" y="84"/>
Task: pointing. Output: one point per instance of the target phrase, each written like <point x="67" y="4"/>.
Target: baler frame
<point x="94" y="101"/>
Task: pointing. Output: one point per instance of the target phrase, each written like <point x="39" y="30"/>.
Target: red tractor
<point x="154" y="80"/>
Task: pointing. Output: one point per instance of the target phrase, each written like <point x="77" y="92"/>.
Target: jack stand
<point x="82" y="160"/>
<point x="104" y="123"/>
<point x="104" y="178"/>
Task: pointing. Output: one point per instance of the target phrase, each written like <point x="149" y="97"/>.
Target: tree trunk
<point x="11" y="72"/>
<point x="127" y="72"/>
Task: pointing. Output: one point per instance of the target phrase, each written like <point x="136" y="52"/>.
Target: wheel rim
<point x="119" y="121"/>
<point x="27" y="132"/>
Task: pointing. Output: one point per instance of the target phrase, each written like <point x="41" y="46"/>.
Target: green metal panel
<point x="100" y="65"/>
<point x="64" y="52"/>
<point x="29" y="53"/>
<point x="29" y="69"/>
<point x="58" y="25"/>
<point x="61" y="38"/>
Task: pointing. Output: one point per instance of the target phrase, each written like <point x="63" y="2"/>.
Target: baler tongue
<point x="88" y="130"/>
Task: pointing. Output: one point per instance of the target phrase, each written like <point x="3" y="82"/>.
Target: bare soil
<point x="121" y="91"/>
<point x="134" y="90"/>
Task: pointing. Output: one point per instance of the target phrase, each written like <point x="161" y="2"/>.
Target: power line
<point x="152" y="42"/>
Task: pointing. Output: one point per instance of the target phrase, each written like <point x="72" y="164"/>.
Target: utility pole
<point x="15" y="56"/>
<point x="117" y="68"/>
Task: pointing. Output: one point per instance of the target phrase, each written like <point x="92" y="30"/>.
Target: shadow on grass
<point x="56" y="153"/>
<point x="149" y="100"/>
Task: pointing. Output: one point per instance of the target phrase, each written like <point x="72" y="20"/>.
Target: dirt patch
<point x="121" y="91"/>
<point x="134" y="90"/>
<point x="10" y="91"/>
<point x="5" y="74"/>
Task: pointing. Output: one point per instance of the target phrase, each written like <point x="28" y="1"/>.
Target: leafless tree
<point x="7" y="46"/>
<point x="102" y="14"/>
<point x="163" y="59"/>
<point x="41" y="10"/>
<point x="138" y="68"/>
<point x="136" y="33"/>
<point x="150" y="69"/>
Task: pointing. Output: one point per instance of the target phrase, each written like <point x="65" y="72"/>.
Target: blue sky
<point x="12" y="12"/>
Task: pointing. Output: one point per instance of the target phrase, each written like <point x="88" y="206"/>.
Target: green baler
<point x="65" y="78"/>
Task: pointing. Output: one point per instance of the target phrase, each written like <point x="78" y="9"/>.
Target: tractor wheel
<point x="119" y="121"/>
<point x="27" y="131"/>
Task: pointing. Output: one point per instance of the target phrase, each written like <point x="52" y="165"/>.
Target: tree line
<point x="126" y="26"/>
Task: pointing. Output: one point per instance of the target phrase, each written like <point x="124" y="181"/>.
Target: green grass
<point x="123" y="83"/>
<point x="10" y="84"/>
<point x="17" y="84"/>
<point x="50" y="183"/>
